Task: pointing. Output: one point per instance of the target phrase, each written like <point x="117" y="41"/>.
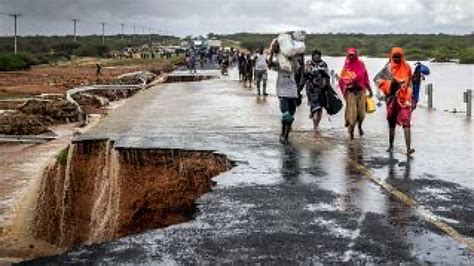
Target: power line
<point x="15" y="17"/>
<point x="75" y="20"/>
<point x="103" y="32"/>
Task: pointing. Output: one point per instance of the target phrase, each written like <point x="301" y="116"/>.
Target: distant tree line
<point x="34" y="50"/>
<point x="440" y="47"/>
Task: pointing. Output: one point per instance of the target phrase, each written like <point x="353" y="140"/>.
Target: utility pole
<point x="15" y="17"/>
<point x="75" y="20"/>
<point x="134" y="31"/>
<point x="103" y="32"/>
<point x="123" y="25"/>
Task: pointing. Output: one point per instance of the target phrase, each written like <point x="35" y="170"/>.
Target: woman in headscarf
<point x="395" y="83"/>
<point x="354" y="84"/>
<point x="316" y="79"/>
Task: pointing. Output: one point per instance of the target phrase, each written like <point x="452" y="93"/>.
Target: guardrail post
<point x="429" y="92"/>
<point x="468" y="101"/>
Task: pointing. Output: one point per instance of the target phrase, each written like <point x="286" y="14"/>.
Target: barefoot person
<point x="354" y="84"/>
<point x="316" y="79"/>
<point x="395" y="83"/>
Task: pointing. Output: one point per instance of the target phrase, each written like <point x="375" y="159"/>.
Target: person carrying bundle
<point x="286" y="49"/>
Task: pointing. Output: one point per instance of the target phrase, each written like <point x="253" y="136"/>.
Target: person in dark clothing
<point x="225" y="65"/>
<point x="241" y="62"/>
<point x="316" y="80"/>
<point x="248" y="71"/>
<point x="98" y="70"/>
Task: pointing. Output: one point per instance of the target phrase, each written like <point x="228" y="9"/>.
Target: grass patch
<point x="61" y="158"/>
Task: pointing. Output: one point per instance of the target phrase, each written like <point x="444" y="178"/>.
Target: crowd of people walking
<point x="395" y="82"/>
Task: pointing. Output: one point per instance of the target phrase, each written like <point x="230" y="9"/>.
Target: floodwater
<point x="449" y="80"/>
<point x="304" y="203"/>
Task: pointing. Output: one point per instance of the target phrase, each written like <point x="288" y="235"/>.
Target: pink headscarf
<point x="353" y="71"/>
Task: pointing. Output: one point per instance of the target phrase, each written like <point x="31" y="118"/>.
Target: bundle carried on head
<point x="290" y="45"/>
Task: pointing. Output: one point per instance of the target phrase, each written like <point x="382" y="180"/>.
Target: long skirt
<point x="355" y="107"/>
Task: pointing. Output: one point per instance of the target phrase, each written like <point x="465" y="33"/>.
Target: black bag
<point x="333" y="103"/>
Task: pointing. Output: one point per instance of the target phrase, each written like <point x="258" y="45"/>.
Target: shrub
<point x="93" y="50"/>
<point x="15" y="62"/>
<point x="467" y="56"/>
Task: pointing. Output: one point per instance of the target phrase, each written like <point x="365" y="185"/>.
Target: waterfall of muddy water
<point x="102" y="193"/>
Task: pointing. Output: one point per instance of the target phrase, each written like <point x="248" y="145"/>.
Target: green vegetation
<point x="12" y="62"/>
<point x="467" y="56"/>
<point x="439" y="47"/>
<point x="49" y="49"/>
<point x="62" y="156"/>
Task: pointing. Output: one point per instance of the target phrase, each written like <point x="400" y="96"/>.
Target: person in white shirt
<point x="261" y="71"/>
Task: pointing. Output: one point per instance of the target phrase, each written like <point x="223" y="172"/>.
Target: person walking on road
<point x="395" y="83"/>
<point x="241" y="66"/>
<point x="287" y="91"/>
<point x="418" y="76"/>
<point x="354" y="84"/>
<point x="316" y="79"/>
<point x="248" y="71"/>
<point x="191" y="61"/>
<point x="225" y="65"/>
<point x="261" y="71"/>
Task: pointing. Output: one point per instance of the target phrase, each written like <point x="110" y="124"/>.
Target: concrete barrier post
<point x="429" y="92"/>
<point x="468" y="101"/>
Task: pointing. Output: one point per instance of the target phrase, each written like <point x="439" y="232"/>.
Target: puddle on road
<point x="95" y="193"/>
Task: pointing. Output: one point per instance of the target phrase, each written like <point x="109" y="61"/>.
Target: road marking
<point x="426" y="214"/>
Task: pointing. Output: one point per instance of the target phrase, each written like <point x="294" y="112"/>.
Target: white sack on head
<point x="299" y="47"/>
<point x="286" y="45"/>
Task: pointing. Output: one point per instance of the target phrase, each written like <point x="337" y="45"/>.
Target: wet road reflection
<point x="303" y="202"/>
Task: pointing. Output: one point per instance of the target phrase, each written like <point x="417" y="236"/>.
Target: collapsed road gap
<point x="95" y="192"/>
<point x="187" y="78"/>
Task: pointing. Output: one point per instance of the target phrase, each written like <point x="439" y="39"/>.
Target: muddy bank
<point x="35" y="116"/>
<point x="94" y="192"/>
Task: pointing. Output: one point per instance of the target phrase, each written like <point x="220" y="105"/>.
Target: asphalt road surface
<point x="320" y="199"/>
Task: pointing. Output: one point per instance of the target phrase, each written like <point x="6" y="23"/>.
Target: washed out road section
<point x="304" y="202"/>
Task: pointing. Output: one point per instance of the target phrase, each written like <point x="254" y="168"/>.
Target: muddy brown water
<point x="94" y="192"/>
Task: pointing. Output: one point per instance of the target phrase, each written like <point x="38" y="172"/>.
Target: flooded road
<point x="449" y="80"/>
<point x="321" y="199"/>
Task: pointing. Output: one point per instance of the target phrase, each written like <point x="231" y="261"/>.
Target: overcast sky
<point x="183" y="17"/>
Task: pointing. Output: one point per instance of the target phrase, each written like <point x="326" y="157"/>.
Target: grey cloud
<point x="201" y="16"/>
